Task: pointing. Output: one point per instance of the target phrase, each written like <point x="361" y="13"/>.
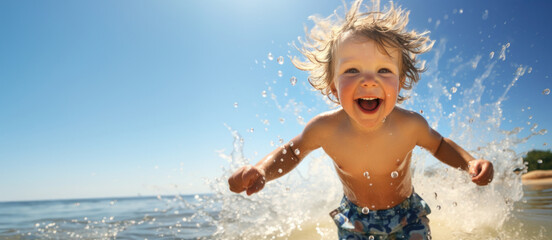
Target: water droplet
<point x="453" y="89"/>
<point x="282" y="120"/>
<point x="373" y="206"/>
<point x="491" y="55"/>
<point x="297" y="152"/>
<point x="461" y="11"/>
<point x="367" y="175"/>
<point x="270" y="57"/>
<point x="394" y="174"/>
<point x="485" y="15"/>
<point x="235" y="105"/>
<point x="293" y="81"/>
<point x="281" y="160"/>
<point x="539" y="161"/>
<point x="291" y="144"/>
<point x="281" y="140"/>
<point x="284" y="151"/>
<point x="300" y="120"/>
<point x="251" y="130"/>
<point x="422" y="111"/>
<point x="280" y="74"/>
<point x="280" y="60"/>
<point x="263" y="93"/>
<point x="546" y="91"/>
<point x="365" y="210"/>
<point x="457" y="84"/>
<point x="371" y="184"/>
<point x="280" y="170"/>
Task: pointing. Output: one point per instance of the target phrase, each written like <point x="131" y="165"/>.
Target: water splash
<point x="276" y="211"/>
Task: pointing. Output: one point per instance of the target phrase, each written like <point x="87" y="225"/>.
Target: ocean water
<point x="109" y="218"/>
<point x="200" y="216"/>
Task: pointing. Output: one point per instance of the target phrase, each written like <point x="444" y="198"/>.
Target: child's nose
<point x="369" y="80"/>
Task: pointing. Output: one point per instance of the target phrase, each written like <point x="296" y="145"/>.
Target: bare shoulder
<point x="325" y="121"/>
<point x="319" y="129"/>
<point x="416" y="126"/>
<point x="410" y="119"/>
<point x="324" y="124"/>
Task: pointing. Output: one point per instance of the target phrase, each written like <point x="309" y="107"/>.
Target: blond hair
<point x="386" y="28"/>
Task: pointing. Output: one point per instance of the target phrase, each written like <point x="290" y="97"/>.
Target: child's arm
<point x="279" y="162"/>
<point x="447" y="151"/>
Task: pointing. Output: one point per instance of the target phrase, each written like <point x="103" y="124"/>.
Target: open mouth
<point x="369" y="104"/>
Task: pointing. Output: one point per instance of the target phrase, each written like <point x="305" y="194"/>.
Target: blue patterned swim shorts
<point x="408" y="220"/>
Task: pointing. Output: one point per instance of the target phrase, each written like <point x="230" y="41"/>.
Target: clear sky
<point x="126" y="98"/>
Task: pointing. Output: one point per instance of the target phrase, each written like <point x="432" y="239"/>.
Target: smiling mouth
<point x="369" y="104"/>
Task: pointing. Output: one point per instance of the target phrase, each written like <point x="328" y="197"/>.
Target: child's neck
<point x="369" y="130"/>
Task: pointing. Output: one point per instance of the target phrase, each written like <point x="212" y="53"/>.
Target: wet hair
<point x="386" y="28"/>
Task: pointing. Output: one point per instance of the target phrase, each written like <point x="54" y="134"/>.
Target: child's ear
<point x="333" y="91"/>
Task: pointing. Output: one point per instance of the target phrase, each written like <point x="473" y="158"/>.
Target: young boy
<point x="362" y="63"/>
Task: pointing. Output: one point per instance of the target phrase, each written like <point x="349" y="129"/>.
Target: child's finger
<point x="256" y="186"/>
<point x="476" y="172"/>
<point x="473" y="169"/>
<point x="235" y="181"/>
<point x="249" y="177"/>
<point x="485" y="174"/>
<point x="488" y="173"/>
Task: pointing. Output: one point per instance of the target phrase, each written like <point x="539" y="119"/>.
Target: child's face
<point x="366" y="80"/>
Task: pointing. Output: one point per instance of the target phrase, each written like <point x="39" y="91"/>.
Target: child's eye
<point x="352" y="70"/>
<point x="384" y="70"/>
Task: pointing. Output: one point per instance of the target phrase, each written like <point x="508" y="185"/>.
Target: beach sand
<point x="537" y="179"/>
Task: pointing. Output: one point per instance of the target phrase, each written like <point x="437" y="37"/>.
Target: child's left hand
<point x="481" y="171"/>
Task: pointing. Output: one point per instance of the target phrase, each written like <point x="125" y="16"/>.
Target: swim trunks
<point x="407" y="220"/>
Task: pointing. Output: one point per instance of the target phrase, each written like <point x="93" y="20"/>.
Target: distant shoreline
<point x="537" y="179"/>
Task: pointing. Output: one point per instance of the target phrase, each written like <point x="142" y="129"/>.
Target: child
<point x="362" y="64"/>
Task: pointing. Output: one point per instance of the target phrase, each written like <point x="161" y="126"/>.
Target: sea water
<point x="200" y="217"/>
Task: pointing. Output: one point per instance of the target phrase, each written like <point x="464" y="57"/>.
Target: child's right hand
<point x="248" y="178"/>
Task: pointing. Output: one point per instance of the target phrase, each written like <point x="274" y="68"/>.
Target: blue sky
<point x="127" y="98"/>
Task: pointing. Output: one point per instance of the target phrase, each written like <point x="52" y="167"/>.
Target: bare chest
<point x="378" y="155"/>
